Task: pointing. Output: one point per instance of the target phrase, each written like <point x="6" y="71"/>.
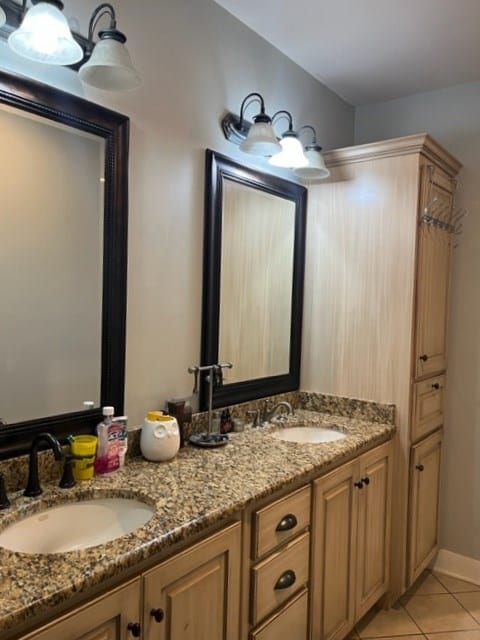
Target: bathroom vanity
<point x="238" y="556"/>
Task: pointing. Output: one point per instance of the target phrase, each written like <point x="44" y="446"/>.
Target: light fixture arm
<point x="103" y="9"/>
<point x="314" y="145"/>
<point x="262" y="115"/>
<point x="285" y="114"/>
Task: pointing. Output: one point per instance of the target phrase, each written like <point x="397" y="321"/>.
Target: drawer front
<point x="279" y="522"/>
<point x="277" y="578"/>
<point x="291" y="622"/>
<point x="428" y="402"/>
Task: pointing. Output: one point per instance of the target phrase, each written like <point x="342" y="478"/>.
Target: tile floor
<point x="437" y="607"/>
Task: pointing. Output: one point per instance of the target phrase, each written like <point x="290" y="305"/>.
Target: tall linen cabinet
<point x="378" y="273"/>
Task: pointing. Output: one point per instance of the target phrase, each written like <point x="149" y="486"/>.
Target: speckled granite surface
<point x="195" y="490"/>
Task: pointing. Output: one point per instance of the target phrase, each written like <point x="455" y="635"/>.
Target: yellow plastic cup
<point x="84" y="449"/>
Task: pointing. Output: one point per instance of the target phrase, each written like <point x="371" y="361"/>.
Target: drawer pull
<point x="135" y="629"/>
<point x="157" y="614"/>
<point x="435" y="386"/>
<point x="420" y="467"/>
<point x="424" y="357"/>
<point x="286" y="580"/>
<point x="287" y="522"/>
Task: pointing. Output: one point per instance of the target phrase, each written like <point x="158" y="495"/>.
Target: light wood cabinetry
<point x="196" y="594"/>
<point x="350" y="549"/>
<point x="280" y="567"/>
<point x="381" y="251"/>
<point x="424" y="503"/>
<point x="193" y="596"/>
<point x="111" y="617"/>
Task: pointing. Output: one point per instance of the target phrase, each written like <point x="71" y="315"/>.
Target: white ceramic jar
<point x="160" y="437"/>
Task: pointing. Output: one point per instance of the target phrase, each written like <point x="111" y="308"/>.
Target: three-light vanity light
<point x="259" y="139"/>
<point x="44" y="36"/>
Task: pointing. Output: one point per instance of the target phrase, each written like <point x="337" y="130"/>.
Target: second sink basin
<point x="308" y="435"/>
<point x="76" y="525"/>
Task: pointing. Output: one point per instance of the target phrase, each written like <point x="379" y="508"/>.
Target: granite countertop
<point x="196" y="489"/>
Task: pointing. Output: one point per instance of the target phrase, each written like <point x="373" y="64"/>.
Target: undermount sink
<point x="76" y="525"/>
<point x="308" y="435"/>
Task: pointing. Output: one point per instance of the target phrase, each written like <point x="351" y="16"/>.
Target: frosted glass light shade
<point x="316" y="169"/>
<point x="44" y="36"/>
<point x="110" y="67"/>
<point x="291" y="156"/>
<point x="3" y="17"/>
<point x="261" y="140"/>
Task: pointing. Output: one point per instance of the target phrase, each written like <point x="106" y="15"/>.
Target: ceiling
<point x="372" y="50"/>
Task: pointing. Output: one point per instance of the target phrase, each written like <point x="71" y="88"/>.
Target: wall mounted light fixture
<point x="315" y="169"/>
<point x="291" y="156"/>
<point x="109" y="65"/>
<point x="44" y="36"/>
<point x="259" y="139"/>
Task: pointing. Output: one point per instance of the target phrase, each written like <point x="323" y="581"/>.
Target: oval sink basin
<point x="76" y="525"/>
<point x="308" y="435"/>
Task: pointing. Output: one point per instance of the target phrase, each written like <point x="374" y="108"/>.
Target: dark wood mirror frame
<point x="56" y="105"/>
<point x="219" y="167"/>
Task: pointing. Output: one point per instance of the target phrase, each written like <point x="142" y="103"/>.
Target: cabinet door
<point x="109" y="617"/>
<point x="373" y="536"/>
<point x="432" y="300"/>
<point x="333" y="553"/>
<point x="424" y="499"/>
<point x="196" y="594"/>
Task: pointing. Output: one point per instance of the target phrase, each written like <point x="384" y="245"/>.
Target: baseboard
<point x="458" y="566"/>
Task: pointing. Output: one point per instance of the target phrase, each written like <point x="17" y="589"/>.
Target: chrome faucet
<point x="268" y="413"/>
<point x="33" y="485"/>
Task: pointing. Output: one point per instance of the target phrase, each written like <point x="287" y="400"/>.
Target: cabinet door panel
<point x="106" y="618"/>
<point x="432" y="300"/>
<point x="424" y="501"/>
<point x="333" y="580"/>
<point x="198" y="591"/>
<point x="373" y="528"/>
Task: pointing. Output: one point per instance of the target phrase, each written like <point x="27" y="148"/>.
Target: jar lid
<point x="154" y="415"/>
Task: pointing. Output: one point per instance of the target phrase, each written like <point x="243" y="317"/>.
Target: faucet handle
<point x="4" y="501"/>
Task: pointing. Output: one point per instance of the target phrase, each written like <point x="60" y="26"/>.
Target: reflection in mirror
<point x="63" y="261"/>
<point x="255" y="282"/>
<point x="50" y="267"/>
<point x="254" y="254"/>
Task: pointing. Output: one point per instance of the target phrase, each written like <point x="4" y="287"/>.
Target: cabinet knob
<point x="366" y="481"/>
<point x="358" y="484"/>
<point x="435" y="385"/>
<point x="420" y="467"/>
<point x="135" y="629"/>
<point x="424" y="357"/>
<point x="287" y="522"/>
<point x="157" y="614"/>
<point x="286" y="580"/>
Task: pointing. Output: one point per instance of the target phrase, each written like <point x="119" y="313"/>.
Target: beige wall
<point x="196" y="61"/>
<point x="452" y="117"/>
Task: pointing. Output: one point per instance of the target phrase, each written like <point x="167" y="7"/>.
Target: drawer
<point x="291" y="622"/>
<point x="278" y="577"/>
<point x="427" y="412"/>
<point x="280" y="521"/>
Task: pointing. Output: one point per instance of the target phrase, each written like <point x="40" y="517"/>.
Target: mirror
<point x="254" y="255"/>
<point x="63" y="179"/>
